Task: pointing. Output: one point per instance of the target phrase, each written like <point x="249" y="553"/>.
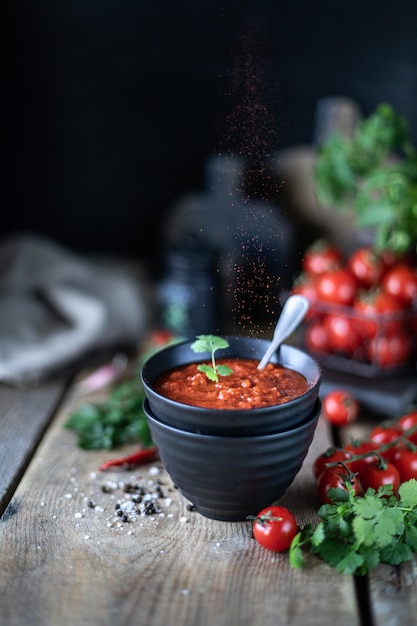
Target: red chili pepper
<point x="141" y="457"/>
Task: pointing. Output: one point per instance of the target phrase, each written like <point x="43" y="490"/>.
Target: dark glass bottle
<point x="253" y="239"/>
<point x="188" y="293"/>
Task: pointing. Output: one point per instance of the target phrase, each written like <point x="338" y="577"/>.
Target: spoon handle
<point x="292" y="314"/>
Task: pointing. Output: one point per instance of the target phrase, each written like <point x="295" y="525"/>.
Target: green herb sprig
<point x="375" y="174"/>
<point x="357" y="533"/>
<point x="116" y="421"/>
<point x="212" y="343"/>
<point x="120" y="418"/>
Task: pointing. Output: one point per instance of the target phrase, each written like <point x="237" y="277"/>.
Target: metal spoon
<point x="292" y="314"/>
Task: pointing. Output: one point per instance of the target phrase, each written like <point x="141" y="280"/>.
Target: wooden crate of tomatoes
<point x="363" y="309"/>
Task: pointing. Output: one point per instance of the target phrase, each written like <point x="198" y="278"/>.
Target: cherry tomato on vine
<point x="405" y="460"/>
<point x="389" y="351"/>
<point x="379" y="313"/>
<point x="390" y="259"/>
<point x="385" y="433"/>
<point x="361" y="447"/>
<point x="320" y="257"/>
<point x="331" y="455"/>
<point x="316" y="337"/>
<point x="161" y="337"/>
<point x="337" y="286"/>
<point x="344" y="333"/>
<point x="306" y="285"/>
<point x="274" y="528"/>
<point x="379" y="473"/>
<point x="409" y="420"/>
<point x="367" y="266"/>
<point x="340" y="407"/>
<point x="401" y="282"/>
<point x="335" y="478"/>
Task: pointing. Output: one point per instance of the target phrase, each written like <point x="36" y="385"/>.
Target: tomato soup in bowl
<point x="246" y="402"/>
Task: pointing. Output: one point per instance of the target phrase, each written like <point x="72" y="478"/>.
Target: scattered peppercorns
<point x="132" y="498"/>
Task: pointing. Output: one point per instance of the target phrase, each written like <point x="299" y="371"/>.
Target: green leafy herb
<point x="375" y="173"/>
<point x="116" y="421"/>
<point x="356" y="533"/>
<point x="211" y="343"/>
<point x="120" y="418"/>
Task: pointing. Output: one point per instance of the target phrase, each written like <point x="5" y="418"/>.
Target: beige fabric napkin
<point x="57" y="307"/>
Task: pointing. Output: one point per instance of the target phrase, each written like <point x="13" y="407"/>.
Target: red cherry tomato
<point x="335" y="478"/>
<point x="340" y="407"/>
<point x="401" y="282"/>
<point x="320" y="257"/>
<point x="306" y="285"/>
<point x="389" y="351"/>
<point x="316" y="337"/>
<point x="361" y="447"/>
<point x="366" y="266"/>
<point x="386" y="433"/>
<point x="377" y="474"/>
<point x="405" y="460"/>
<point x="337" y="286"/>
<point x="390" y="259"/>
<point x="332" y="455"/>
<point x="409" y="420"/>
<point x="274" y="528"/>
<point x="161" y="337"/>
<point x="379" y="313"/>
<point x="344" y="333"/>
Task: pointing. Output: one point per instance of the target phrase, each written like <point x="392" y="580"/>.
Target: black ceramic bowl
<point x="228" y="478"/>
<point x="266" y="420"/>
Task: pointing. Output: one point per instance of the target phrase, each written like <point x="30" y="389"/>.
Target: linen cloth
<point x="57" y="307"/>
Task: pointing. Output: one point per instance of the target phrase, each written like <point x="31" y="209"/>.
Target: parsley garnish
<point x="211" y="343"/>
<point x="358" y="532"/>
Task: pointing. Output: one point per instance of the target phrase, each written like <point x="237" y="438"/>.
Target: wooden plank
<point x="24" y="415"/>
<point x="393" y="594"/>
<point x="67" y="553"/>
<point x="392" y="590"/>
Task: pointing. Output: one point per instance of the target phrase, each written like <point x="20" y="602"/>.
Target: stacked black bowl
<point x="232" y="463"/>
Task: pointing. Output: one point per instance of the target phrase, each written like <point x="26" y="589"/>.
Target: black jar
<point x="188" y="293"/>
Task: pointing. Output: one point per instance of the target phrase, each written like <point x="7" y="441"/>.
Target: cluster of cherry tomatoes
<point x="387" y="457"/>
<point x="362" y="308"/>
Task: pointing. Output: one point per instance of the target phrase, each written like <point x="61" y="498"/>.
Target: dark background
<point x="112" y="107"/>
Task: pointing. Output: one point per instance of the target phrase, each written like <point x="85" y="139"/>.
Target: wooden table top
<point x="67" y="558"/>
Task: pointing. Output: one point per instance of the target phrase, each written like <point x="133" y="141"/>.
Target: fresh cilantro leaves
<point x="120" y="418"/>
<point x="211" y="343"/>
<point x="356" y="533"/>
<point x="116" y="421"/>
<point x="375" y="173"/>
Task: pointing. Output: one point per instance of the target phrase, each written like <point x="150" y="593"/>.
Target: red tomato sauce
<point x="246" y="388"/>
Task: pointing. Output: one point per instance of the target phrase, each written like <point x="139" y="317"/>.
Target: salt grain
<point x="131" y="500"/>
